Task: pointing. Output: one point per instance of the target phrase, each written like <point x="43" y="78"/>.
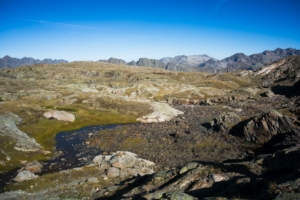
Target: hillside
<point x="192" y="135"/>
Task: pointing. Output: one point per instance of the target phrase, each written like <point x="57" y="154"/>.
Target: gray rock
<point x="177" y="195"/>
<point x="24" y="176"/>
<point x="191" y="61"/>
<point x="112" y="188"/>
<point x="13" y="117"/>
<point x="230" y="118"/>
<point x="24" y="142"/>
<point x="112" y="172"/>
<point x="269" y="94"/>
<point x="174" y="67"/>
<point x="127" y="172"/>
<point x="240" y="61"/>
<point x="261" y="129"/>
<point x="224" y="121"/>
<point x="34" y="167"/>
<point x="132" y="63"/>
<point x="146" y="62"/>
<point x="93" y="180"/>
<point x="123" y="159"/>
<point x="114" y="61"/>
<point x="60" y="115"/>
<point x="188" y="167"/>
<point x="124" y="164"/>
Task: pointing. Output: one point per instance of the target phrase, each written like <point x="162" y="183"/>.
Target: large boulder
<point x="261" y="129"/>
<point x="124" y="164"/>
<point x="8" y="128"/>
<point x="162" y="113"/>
<point x="229" y="118"/>
<point x="60" y="115"/>
<point x="123" y="160"/>
<point x="24" y="176"/>
<point x="224" y="121"/>
<point x="34" y="167"/>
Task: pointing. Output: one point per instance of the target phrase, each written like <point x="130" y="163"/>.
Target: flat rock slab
<point x="60" y="115"/>
<point x="24" y="142"/>
<point x="162" y="112"/>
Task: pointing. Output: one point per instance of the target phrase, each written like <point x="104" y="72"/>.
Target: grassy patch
<point x="67" y="109"/>
<point x="72" y="183"/>
<point x="44" y="130"/>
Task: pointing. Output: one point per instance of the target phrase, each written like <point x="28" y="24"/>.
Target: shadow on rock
<point x="238" y="129"/>
<point x="287" y="91"/>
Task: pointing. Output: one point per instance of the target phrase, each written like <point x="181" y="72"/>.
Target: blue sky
<point x="130" y="29"/>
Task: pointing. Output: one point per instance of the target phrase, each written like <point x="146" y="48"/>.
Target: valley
<point x="188" y="135"/>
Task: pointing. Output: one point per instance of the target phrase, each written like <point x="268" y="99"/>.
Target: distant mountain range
<point x="9" y="62"/>
<point x="205" y="63"/>
<point x="240" y="61"/>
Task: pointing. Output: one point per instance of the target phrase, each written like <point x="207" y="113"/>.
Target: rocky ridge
<point x="9" y="62"/>
<point x="205" y="63"/>
<point x="241" y="61"/>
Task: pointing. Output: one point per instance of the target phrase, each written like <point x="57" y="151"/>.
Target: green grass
<point x="44" y="130"/>
<point x="67" y="109"/>
<point x="71" y="184"/>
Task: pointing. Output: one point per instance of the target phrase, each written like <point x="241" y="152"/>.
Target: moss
<point x="67" y="109"/>
<point x="7" y="145"/>
<point x="45" y="130"/>
<point x="133" y="143"/>
<point x="72" y="183"/>
<point x="49" y="107"/>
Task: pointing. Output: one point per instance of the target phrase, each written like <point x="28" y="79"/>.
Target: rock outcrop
<point x="34" y="167"/>
<point x="284" y="72"/>
<point x="25" y="176"/>
<point x="262" y="129"/>
<point x="124" y="164"/>
<point x="211" y="181"/>
<point x="240" y="61"/>
<point x="114" y="61"/>
<point x="60" y="115"/>
<point x="269" y="94"/>
<point x="146" y="62"/>
<point x="224" y="121"/>
<point x="190" y="61"/>
<point x="162" y="112"/>
<point x="8" y="128"/>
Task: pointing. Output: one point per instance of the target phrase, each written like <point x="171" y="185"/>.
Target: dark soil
<point x="189" y="137"/>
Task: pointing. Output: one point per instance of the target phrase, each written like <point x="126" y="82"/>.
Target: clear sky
<point x="130" y="29"/>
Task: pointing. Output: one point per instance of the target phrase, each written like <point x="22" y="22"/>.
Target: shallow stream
<point x="72" y="151"/>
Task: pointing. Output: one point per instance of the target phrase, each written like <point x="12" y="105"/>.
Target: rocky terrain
<point x="241" y="61"/>
<point x="9" y="62"/>
<point x="200" y="136"/>
<point x="190" y="61"/>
